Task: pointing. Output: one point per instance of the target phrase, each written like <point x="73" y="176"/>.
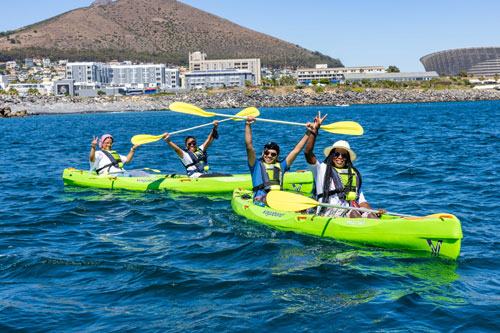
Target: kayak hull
<point x="438" y="234"/>
<point x="300" y="181"/>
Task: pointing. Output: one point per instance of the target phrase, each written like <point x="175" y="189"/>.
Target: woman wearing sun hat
<point x="109" y="161"/>
<point x="336" y="180"/>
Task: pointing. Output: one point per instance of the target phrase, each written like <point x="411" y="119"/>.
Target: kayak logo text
<point x="269" y="213"/>
<point x="435" y="248"/>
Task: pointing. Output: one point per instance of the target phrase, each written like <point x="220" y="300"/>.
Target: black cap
<point x="273" y="146"/>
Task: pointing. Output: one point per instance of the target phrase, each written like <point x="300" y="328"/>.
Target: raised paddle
<point x="341" y="127"/>
<point x="286" y="201"/>
<point x="141" y="139"/>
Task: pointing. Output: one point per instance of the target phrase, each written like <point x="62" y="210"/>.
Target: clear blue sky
<point x="359" y="33"/>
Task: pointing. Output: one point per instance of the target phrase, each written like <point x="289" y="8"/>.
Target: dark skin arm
<point x="310" y="157"/>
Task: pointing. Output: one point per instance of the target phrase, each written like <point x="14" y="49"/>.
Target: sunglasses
<point x="192" y="143"/>
<point x="266" y="152"/>
<point x="337" y="154"/>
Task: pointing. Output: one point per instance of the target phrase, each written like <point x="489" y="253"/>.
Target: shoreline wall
<point x="240" y="98"/>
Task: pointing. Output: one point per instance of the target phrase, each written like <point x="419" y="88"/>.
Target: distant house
<point x="333" y="75"/>
<point x="198" y="62"/>
<point x="217" y="79"/>
<point x="409" y="76"/>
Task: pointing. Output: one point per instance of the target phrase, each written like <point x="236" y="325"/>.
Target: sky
<point x="359" y="33"/>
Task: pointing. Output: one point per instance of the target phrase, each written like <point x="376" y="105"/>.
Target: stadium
<point x="479" y="61"/>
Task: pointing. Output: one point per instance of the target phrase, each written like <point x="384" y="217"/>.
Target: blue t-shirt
<point x="256" y="173"/>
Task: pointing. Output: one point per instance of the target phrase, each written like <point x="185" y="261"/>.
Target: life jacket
<point x="272" y="177"/>
<point x="199" y="158"/>
<point x="114" y="158"/>
<point x="347" y="183"/>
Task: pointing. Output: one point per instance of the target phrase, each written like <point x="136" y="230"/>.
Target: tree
<point x="324" y="81"/>
<point x="33" y="91"/>
<point x="392" y="69"/>
<point x="248" y="83"/>
<point x="13" y="92"/>
<point x="100" y="93"/>
<point x="462" y="73"/>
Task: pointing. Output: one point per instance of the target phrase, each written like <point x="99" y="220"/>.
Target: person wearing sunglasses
<point x="336" y="180"/>
<point x="267" y="171"/>
<point x="194" y="158"/>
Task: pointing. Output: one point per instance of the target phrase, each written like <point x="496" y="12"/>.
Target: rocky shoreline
<point x="237" y="98"/>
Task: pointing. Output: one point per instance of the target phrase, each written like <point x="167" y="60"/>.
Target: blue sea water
<point x="80" y="259"/>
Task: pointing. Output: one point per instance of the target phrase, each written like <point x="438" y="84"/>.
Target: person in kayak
<point x="194" y="158"/>
<point x="336" y="180"/>
<point x="267" y="171"/>
<point x="107" y="160"/>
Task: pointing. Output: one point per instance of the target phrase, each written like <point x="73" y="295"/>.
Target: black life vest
<point x="114" y="157"/>
<point x="199" y="158"/>
<point x="272" y="177"/>
<point x="347" y="183"/>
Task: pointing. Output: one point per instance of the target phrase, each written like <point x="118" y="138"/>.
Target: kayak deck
<point x="438" y="234"/>
<point x="299" y="181"/>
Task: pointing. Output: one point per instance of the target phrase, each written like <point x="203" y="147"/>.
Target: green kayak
<point x="438" y="234"/>
<point x="300" y="181"/>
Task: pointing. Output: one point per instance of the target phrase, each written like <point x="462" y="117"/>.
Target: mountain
<point x="149" y="31"/>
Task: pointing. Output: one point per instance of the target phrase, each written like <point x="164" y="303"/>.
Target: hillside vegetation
<point x="150" y="30"/>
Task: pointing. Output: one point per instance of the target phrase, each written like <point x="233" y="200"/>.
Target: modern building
<point x="217" y="79"/>
<point x="138" y="76"/>
<point x="410" y="76"/>
<point x="479" y="61"/>
<point x="333" y="75"/>
<point x="92" y="75"/>
<point x="198" y="62"/>
<point x="88" y="72"/>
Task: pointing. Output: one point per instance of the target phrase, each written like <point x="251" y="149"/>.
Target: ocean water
<point x="83" y="260"/>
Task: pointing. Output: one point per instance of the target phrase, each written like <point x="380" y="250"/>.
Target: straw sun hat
<point x="341" y="144"/>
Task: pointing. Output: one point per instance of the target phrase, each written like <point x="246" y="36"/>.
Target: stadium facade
<point x="480" y="61"/>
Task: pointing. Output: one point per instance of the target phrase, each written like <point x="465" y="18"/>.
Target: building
<point x="198" y="62"/>
<point x="88" y="72"/>
<point x="64" y="87"/>
<point x="333" y="75"/>
<point x="479" y="61"/>
<point x="93" y="75"/>
<point x="217" y="79"/>
<point x="138" y="76"/>
<point x="4" y="82"/>
<point x="410" y="76"/>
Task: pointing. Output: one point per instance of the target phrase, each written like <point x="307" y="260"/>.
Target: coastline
<point x="238" y="98"/>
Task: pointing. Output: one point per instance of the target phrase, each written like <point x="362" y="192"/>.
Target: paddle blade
<point x="251" y="111"/>
<point x="287" y="201"/>
<point x="344" y="127"/>
<point x="189" y="109"/>
<point x="141" y="139"/>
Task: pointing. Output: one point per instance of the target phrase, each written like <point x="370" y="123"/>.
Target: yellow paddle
<point x="341" y="127"/>
<point x="287" y="201"/>
<point x="141" y="139"/>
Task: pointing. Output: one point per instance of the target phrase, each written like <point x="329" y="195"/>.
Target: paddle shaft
<point x="360" y="209"/>
<point x="264" y="120"/>
<point x="200" y="126"/>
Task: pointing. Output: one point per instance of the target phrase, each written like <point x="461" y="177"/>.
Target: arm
<point x="92" y="149"/>
<point x="248" y="141"/>
<point x="131" y="154"/>
<point x="366" y="205"/>
<point x="172" y="145"/>
<point x="310" y="157"/>
<point x="298" y="147"/>
<point x="210" y="137"/>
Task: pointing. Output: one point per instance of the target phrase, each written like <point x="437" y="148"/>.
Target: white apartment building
<point x="198" y="62"/>
<point x="335" y="74"/>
